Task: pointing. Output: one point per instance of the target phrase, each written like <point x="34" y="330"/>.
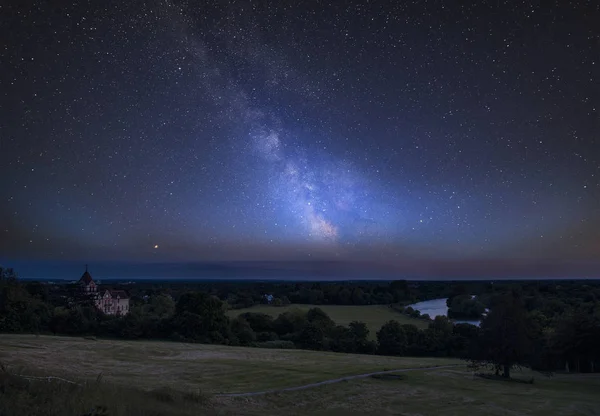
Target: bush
<point x="259" y="322"/>
<point x="266" y="336"/>
<point x="370" y="347"/>
<point x="392" y="339"/>
<point x="242" y="331"/>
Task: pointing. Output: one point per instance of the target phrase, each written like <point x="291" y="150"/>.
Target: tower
<point x="87" y="283"/>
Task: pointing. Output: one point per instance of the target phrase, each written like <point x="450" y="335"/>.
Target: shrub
<point x="266" y="336"/>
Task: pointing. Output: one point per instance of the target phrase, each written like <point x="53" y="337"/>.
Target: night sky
<point x="396" y="133"/>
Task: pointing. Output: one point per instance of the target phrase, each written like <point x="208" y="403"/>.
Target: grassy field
<point x="372" y="315"/>
<point x="445" y="392"/>
<point x="212" y="368"/>
<point x="155" y="366"/>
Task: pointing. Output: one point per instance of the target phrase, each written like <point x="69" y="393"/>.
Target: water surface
<point x="437" y="307"/>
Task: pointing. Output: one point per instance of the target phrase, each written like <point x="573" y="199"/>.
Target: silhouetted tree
<point x="312" y="336"/>
<point x="462" y="340"/>
<point x="319" y="318"/>
<point x="359" y="334"/>
<point x="465" y="307"/>
<point x="576" y="340"/>
<point x="391" y="339"/>
<point x="243" y="331"/>
<point x="259" y="322"/>
<point x="505" y="339"/>
<point x="160" y="305"/>
<point x="201" y="317"/>
<point x="289" y="322"/>
<point x="412" y="339"/>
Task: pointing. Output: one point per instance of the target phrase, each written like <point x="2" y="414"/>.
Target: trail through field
<point x="332" y="381"/>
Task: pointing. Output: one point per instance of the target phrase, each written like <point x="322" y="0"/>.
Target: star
<point x="217" y="133"/>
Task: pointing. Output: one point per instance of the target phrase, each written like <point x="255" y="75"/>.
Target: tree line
<point x="547" y="326"/>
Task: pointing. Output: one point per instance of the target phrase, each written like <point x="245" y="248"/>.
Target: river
<point x="437" y="307"/>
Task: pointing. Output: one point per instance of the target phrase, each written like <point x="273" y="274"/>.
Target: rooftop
<point x="86" y="277"/>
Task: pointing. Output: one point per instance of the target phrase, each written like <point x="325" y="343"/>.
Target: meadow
<point x="191" y="378"/>
<point x="374" y="316"/>
<point x="212" y="368"/>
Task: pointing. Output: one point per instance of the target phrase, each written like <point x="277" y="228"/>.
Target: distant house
<point x="86" y="283"/>
<point x="113" y="302"/>
<point x="110" y="302"/>
<point x="269" y="298"/>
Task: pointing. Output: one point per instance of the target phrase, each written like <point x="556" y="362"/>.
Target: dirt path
<point x="334" y="380"/>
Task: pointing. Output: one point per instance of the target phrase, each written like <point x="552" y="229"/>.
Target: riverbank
<point x="438" y="307"/>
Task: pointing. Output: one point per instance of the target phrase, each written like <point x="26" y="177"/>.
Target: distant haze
<point x="300" y="270"/>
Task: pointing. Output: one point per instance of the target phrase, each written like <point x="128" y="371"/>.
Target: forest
<point x="548" y="326"/>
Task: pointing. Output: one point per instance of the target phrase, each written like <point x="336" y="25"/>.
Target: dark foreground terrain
<point x="163" y="378"/>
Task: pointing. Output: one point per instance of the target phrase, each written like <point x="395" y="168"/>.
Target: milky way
<point x="318" y="194"/>
<point x="166" y="131"/>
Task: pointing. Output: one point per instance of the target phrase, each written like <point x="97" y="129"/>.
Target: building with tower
<point x="87" y="283"/>
<point x="110" y="302"/>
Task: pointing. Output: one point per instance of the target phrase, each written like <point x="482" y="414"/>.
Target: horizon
<point x="251" y="271"/>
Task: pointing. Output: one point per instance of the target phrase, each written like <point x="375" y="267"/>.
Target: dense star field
<point x="170" y="131"/>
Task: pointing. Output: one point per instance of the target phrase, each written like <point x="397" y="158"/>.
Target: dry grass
<point x="215" y="369"/>
<point x="163" y="370"/>
<point x="446" y="392"/>
<point x="26" y="396"/>
<point x="372" y="315"/>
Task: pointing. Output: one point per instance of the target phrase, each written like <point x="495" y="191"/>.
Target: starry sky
<point x="396" y="133"/>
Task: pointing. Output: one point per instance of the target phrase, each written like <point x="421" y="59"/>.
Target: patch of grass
<point x="394" y="377"/>
<point x="23" y="396"/>
<point x="446" y="392"/>
<point x="288" y="345"/>
<point x="212" y="368"/>
<point x="509" y="380"/>
<point x="167" y="377"/>
<point x="372" y="315"/>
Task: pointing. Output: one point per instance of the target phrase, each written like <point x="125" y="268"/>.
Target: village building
<point x="110" y="302"/>
<point x="86" y="282"/>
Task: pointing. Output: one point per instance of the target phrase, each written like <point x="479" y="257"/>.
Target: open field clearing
<point x="215" y="369"/>
<point x="372" y="315"/>
<point x="447" y="392"/>
<point x="212" y="368"/>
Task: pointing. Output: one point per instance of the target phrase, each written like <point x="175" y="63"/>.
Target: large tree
<point x="160" y="306"/>
<point x="392" y="339"/>
<point x="506" y="334"/>
<point x="576" y="340"/>
<point x="465" y="307"/>
<point x="201" y="317"/>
